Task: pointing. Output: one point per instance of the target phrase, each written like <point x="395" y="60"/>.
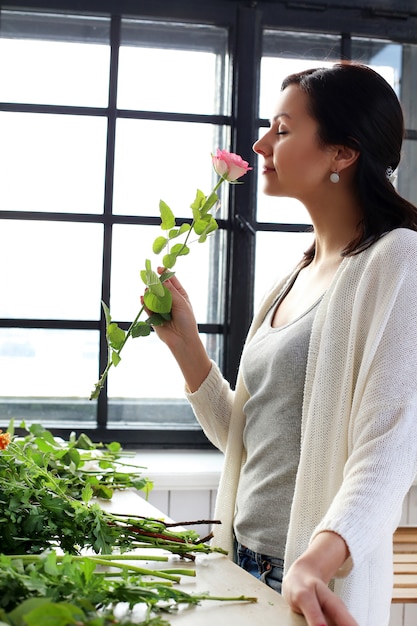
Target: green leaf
<point x="22" y="610"/>
<point x="184" y="228"/>
<point x="115" y="358"/>
<point x="106" y="312"/>
<point x="141" y="329"/>
<point x="43" y="445"/>
<point x="55" y="614"/>
<point x="169" y="260"/>
<point x="209" y="203"/>
<point x="115" y="336"/>
<point x="157" y="289"/>
<point x="87" y="493"/>
<point x="204" y="227"/>
<point x="210" y="228"/>
<point x="201" y="225"/>
<point x="198" y="202"/>
<point x="71" y="456"/>
<point x="167" y="216"/>
<point x="39" y="431"/>
<point x="166" y="276"/>
<point x="50" y="565"/>
<point x="102" y="491"/>
<point x="156" y="303"/>
<point x="155" y="319"/>
<point x="159" y="244"/>
<point x="88" y="568"/>
<point x="84" y="442"/>
<point x="151" y="279"/>
<point x="180" y="249"/>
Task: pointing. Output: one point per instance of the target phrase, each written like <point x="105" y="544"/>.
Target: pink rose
<point x="229" y="166"/>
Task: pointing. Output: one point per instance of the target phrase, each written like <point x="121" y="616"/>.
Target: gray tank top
<point x="273" y="367"/>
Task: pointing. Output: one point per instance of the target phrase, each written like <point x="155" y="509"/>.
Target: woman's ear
<point x="345" y="157"/>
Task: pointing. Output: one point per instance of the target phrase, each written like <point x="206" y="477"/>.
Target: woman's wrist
<point x="194" y="363"/>
<point x="325" y="555"/>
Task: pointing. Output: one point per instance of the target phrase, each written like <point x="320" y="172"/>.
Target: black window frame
<point x="246" y="23"/>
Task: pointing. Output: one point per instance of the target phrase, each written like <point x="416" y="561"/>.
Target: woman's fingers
<point x="333" y="608"/>
<point x="175" y="283"/>
<point x="319" y="605"/>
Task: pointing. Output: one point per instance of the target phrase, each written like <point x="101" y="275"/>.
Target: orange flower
<point x="5" y="439"/>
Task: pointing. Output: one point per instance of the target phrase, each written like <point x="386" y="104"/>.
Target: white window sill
<point x="181" y="469"/>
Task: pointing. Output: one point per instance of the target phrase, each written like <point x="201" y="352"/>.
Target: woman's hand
<point x="181" y="336"/>
<point x="183" y="326"/>
<point x="305" y="586"/>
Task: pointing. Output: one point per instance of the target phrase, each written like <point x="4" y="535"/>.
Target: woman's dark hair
<point x="355" y="107"/>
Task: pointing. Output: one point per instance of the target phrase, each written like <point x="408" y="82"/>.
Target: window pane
<point x="407" y="180"/>
<point x="281" y="251"/>
<point x="383" y="56"/>
<point x="48" y="364"/>
<point x="173" y="67"/>
<point x="51" y="59"/>
<point x="51" y="270"/>
<point x="199" y="272"/>
<point x="162" y="160"/>
<point x="148" y="388"/>
<point x="52" y="162"/>
<point x="287" y="52"/>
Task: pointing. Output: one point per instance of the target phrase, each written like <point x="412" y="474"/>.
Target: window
<point x="101" y="116"/>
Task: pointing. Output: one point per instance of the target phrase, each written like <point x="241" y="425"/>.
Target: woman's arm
<point x="208" y="392"/>
<point x="305" y="586"/>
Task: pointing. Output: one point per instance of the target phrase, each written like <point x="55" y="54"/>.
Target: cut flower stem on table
<point x="157" y="299"/>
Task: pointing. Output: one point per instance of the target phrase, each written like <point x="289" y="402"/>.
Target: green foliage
<point x="45" y="490"/>
<point x="66" y="590"/>
<point x="157" y="301"/>
<point x="47" y="520"/>
<point x="79" y="465"/>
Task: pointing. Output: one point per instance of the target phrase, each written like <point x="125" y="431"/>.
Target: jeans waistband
<point x="260" y="557"/>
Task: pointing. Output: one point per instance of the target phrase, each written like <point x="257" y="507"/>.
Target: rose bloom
<point x="229" y="166"/>
<point x="5" y="439"/>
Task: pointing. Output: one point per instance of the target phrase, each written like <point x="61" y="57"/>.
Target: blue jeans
<point x="268" y="569"/>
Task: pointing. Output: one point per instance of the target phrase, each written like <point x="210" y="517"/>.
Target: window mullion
<point x="102" y="403"/>
<point x="246" y="72"/>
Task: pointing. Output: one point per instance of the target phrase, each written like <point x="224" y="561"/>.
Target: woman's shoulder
<point x="398" y="245"/>
<point x="400" y="237"/>
<point x="392" y="258"/>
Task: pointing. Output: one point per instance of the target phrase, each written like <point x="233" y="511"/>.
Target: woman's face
<point x="295" y="164"/>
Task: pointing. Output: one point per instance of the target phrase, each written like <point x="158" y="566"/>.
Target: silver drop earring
<point x="334" y="177"/>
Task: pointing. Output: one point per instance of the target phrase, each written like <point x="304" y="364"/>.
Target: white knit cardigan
<point x="359" y="423"/>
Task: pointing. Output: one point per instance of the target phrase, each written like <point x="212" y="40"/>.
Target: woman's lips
<point x="267" y="170"/>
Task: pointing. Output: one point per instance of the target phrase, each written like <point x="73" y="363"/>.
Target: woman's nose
<point x="260" y="146"/>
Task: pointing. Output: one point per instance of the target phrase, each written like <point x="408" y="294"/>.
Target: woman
<point x="330" y="361"/>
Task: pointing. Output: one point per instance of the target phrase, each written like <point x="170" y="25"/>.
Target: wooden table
<point x="216" y="575"/>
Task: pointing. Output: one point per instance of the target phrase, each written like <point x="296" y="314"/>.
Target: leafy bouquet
<point x="157" y="298"/>
<point x="48" y="519"/>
